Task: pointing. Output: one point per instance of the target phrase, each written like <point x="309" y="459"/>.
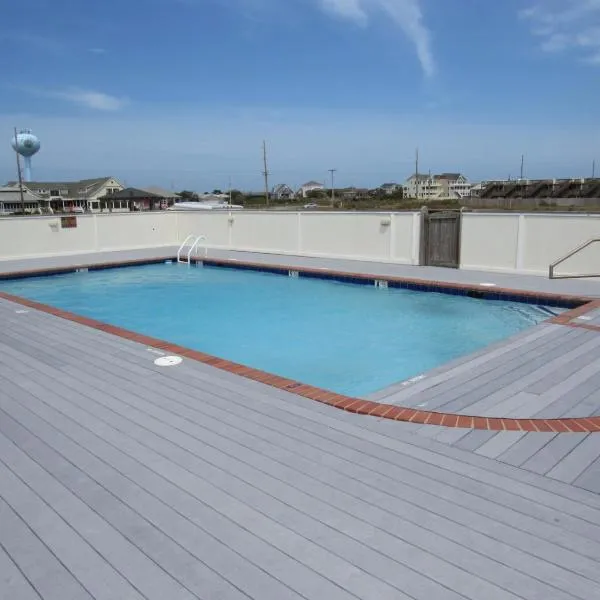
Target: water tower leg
<point x="27" y="168"/>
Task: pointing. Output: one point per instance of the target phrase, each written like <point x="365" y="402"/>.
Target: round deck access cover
<point x="168" y="361"/>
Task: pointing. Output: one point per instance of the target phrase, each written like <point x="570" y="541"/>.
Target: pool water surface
<point x="347" y="338"/>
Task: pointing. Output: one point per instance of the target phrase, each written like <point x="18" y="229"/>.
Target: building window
<point x="55" y="192"/>
<point x="95" y="205"/>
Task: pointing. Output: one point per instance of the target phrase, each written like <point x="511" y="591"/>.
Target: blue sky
<point x="181" y="93"/>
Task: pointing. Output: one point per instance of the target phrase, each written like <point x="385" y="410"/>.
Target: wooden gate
<point x="440" y="239"/>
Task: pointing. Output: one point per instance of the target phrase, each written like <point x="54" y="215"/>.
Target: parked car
<point x="311" y="205"/>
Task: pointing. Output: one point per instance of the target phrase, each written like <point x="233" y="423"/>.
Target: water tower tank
<point x="26" y="144"/>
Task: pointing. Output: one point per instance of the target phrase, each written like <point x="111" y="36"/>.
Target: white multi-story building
<point x="423" y="187"/>
<point x="455" y="185"/>
<point x="437" y="187"/>
<point x="311" y="186"/>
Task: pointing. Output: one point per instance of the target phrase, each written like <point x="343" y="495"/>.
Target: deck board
<point x="131" y="481"/>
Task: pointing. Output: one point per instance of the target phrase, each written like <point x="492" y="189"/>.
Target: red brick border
<point x="347" y="403"/>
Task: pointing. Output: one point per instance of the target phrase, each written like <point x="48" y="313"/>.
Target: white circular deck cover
<point x="168" y="361"/>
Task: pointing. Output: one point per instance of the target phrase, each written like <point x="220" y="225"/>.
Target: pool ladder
<point x="193" y="247"/>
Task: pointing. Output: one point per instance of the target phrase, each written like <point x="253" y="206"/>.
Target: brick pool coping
<point x="340" y="401"/>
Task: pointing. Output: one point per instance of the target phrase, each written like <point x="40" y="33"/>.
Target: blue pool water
<point x="347" y="338"/>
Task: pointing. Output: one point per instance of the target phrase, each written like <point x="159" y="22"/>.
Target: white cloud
<point x="407" y="14"/>
<point x="87" y="98"/>
<point x="349" y="9"/>
<point x="567" y="26"/>
<point x="97" y="50"/>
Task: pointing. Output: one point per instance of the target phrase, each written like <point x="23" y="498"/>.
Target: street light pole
<point x="332" y="171"/>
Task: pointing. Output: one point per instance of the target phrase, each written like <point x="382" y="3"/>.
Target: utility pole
<point x="332" y="171"/>
<point x="19" y="175"/>
<point x="417" y="173"/>
<point x="522" y="165"/>
<point x="593" y="169"/>
<point x="266" y="172"/>
<point x="230" y="192"/>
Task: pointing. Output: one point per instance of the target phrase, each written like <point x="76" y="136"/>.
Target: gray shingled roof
<point x="447" y="176"/>
<point x="11" y="194"/>
<point x="133" y="194"/>
<point x="74" y="189"/>
<point x="158" y="191"/>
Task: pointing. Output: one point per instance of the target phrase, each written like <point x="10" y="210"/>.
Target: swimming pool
<point x="351" y="339"/>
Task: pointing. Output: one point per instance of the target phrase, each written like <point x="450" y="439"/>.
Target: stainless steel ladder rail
<point x="552" y="267"/>
<point x="193" y="246"/>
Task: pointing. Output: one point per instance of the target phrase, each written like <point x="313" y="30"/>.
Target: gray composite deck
<point x="120" y="479"/>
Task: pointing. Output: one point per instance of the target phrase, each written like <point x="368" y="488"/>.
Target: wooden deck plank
<point x="80" y="570"/>
<point x="111" y="495"/>
<point x="590" y="478"/>
<point x="303" y="403"/>
<point x="499" y="443"/>
<point x="525" y="448"/>
<point x="521" y="402"/>
<point x="578" y="460"/>
<point x="205" y="515"/>
<point x="488" y="386"/>
<point x="497" y="567"/>
<point x="13" y="583"/>
<point x="122" y="556"/>
<point x="362" y="474"/>
<point x="553" y="452"/>
<point x="569" y="393"/>
<point x="562" y="372"/>
<point x="308" y="501"/>
<point x="376" y="588"/>
<point x="37" y="568"/>
<point x="534" y="366"/>
<point x="314" y="407"/>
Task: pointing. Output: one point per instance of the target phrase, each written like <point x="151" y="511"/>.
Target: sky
<point x="182" y="93"/>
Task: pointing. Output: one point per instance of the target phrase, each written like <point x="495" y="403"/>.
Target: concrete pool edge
<point x="339" y="401"/>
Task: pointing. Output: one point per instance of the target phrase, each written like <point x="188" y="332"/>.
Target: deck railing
<point x="551" y="273"/>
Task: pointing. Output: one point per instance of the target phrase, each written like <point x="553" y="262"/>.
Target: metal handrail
<point x="579" y="248"/>
<point x="195" y="245"/>
<point x="182" y="247"/>
<point x="192" y="248"/>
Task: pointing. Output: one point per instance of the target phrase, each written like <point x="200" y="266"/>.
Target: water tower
<point x="26" y="144"/>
